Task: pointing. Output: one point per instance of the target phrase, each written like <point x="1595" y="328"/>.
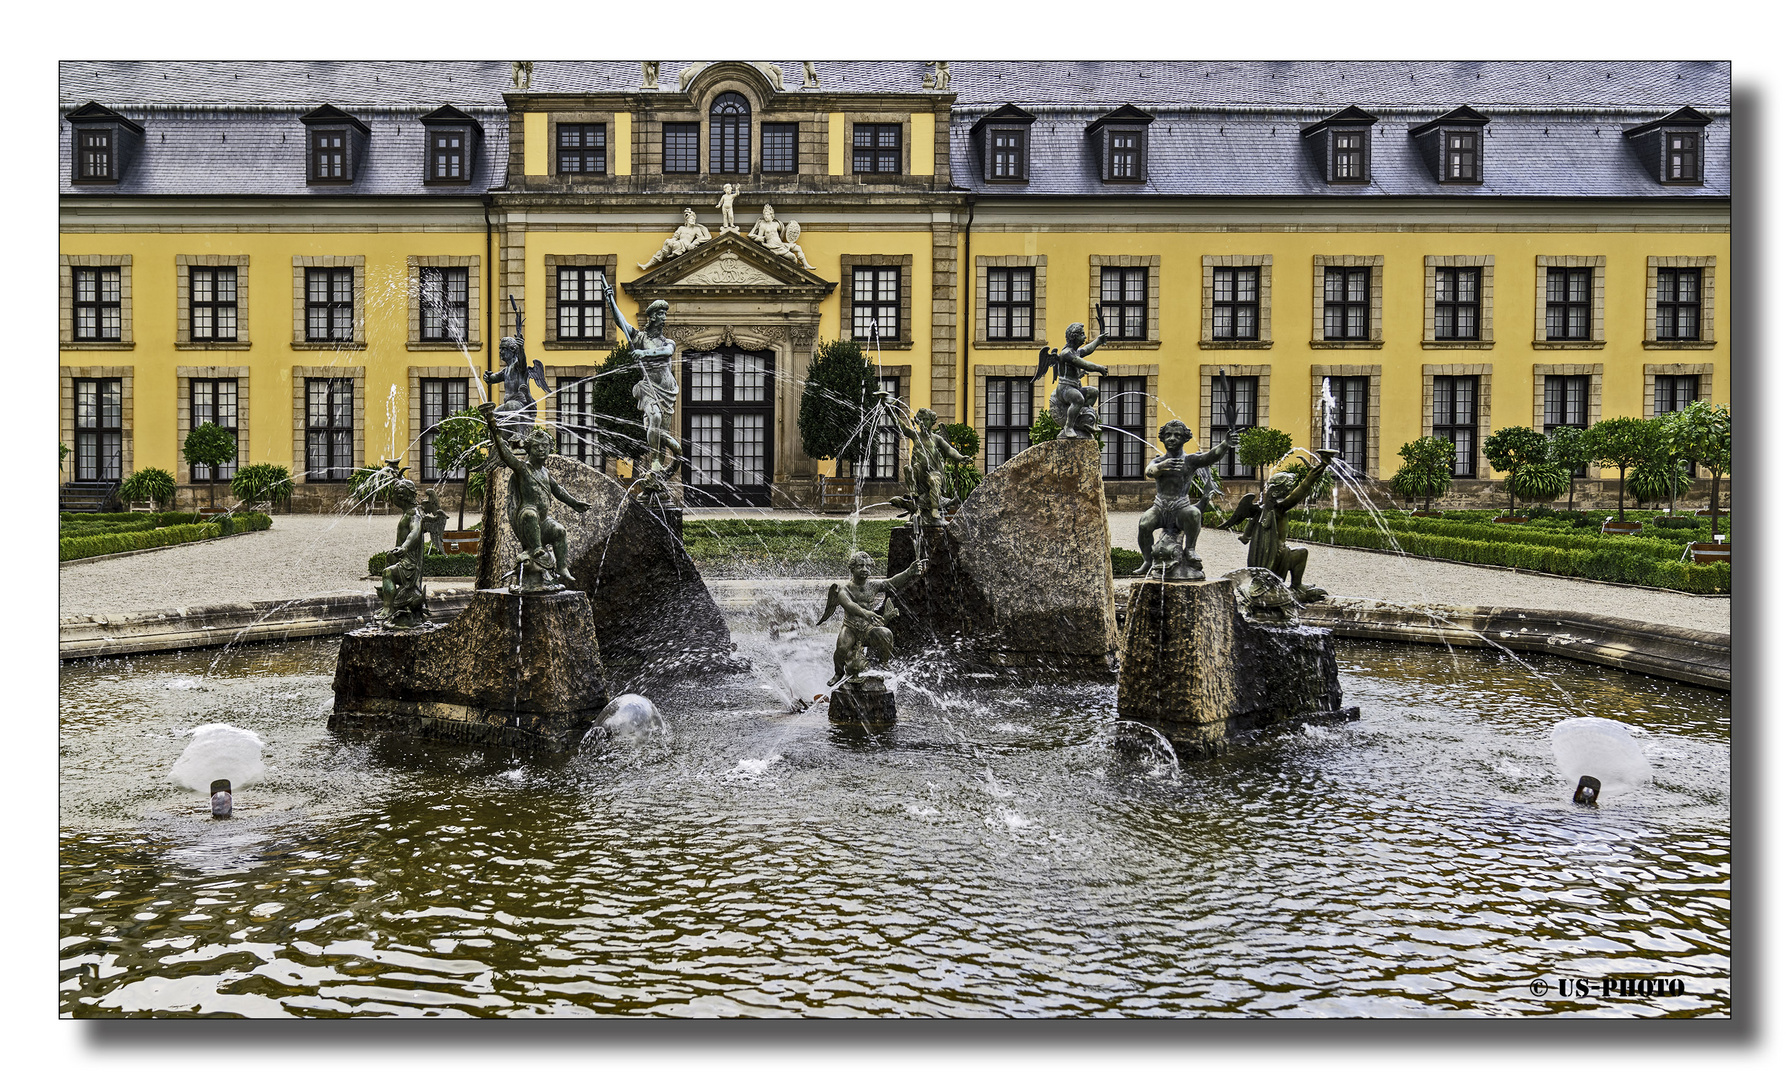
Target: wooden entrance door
<point x="729" y="411"/>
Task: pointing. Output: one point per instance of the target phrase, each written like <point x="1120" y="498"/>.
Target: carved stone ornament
<point x="522" y="73"/>
<point x="810" y="77"/>
<point x="728" y="269"/>
<point x="649" y="74"/>
<point x="684" y="76"/>
<point x="702" y="338"/>
<point x="771" y="72"/>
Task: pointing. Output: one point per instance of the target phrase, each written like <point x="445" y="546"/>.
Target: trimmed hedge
<point x="801" y="548"/>
<point x="1125" y="561"/>
<point x="1655" y="542"/>
<point x="1621" y="560"/>
<point x="434" y="565"/>
<point x="140" y="532"/>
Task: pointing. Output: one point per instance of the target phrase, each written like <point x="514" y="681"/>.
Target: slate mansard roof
<point x="1221" y="128"/>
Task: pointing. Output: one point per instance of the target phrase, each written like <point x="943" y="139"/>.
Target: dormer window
<point x="1122" y="143"/>
<point x="104" y="144"/>
<point x="1341" y="145"/>
<point x="1452" y="146"/>
<point x="1003" y="138"/>
<point x="1671" y="148"/>
<point x="450" y="146"/>
<point x="335" y="145"/>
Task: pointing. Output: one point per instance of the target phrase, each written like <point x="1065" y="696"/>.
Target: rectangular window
<point x="1345" y="303"/>
<point x="1007" y="154"/>
<point x="681" y="147"/>
<point x="1349" y="420"/>
<point x="1683" y="162"/>
<point x="1124" y="154"/>
<point x="1569" y="305"/>
<point x="876" y="303"/>
<point x="1457" y="304"/>
<point x="883" y="462"/>
<point x="581" y="308"/>
<point x="707" y="371"/>
<point x="779" y="147"/>
<point x="1122" y="409"/>
<point x="442" y="398"/>
<point x="442" y="312"/>
<point x="1461" y="156"/>
<point x="95" y="154"/>
<point x="1455" y="418"/>
<point x="1348" y="155"/>
<point x="98" y="312"/>
<point x="1565" y="402"/>
<point x="1233" y="396"/>
<point x="213" y="401"/>
<point x="99" y="429"/>
<point x="1236" y="303"/>
<point x="329" y="429"/>
<point x="1010" y="303"/>
<point x="1125" y="301"/>
<point x="329" y="304"/>
<point x="1673" y="392"/>
<point x="1009" y="419"/>
<point x="212" y="303"/>
<point x="447" y="154"/>
<point x="876" y="148"/>
<point x="329" y="154"/>
<point x="577" y="427"/>
<point x="1679" y="310"/>
<point x="582" y="149"/>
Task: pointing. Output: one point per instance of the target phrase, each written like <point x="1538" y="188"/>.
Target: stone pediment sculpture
<point x="684" y="239"/>
<point x="779" y="238"/>
<point x="728" y="259"/>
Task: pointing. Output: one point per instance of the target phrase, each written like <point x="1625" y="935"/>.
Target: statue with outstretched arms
<point x="515" y="375"/>
<point x="865" y="626"/>
<point x="1265" y="530"/>
<point x="656" y="392"/>
<point x="925" y="497"/>
<point x="1173" y="511"/>
<point x="1077" y="404"/>
<point x="531" y="491"/>
<point x="404" y="602"/>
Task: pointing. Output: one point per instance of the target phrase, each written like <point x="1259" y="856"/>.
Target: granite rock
<point x="508" y="671"/>
<point x="652" y="612"/>
<point x="1022" y="576"/>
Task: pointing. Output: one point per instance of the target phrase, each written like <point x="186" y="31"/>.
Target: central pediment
<point x="728" y="264"/>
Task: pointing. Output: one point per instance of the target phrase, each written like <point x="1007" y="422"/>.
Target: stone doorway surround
<point x="732" y="291"/>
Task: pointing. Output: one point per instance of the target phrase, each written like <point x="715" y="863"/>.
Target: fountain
<point x="861" y="696"/>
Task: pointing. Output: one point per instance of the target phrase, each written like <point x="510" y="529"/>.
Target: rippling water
<point x="1001" y="853"/>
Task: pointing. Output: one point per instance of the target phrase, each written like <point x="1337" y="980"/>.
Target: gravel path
<point x="307" y="555"/>
<point x="303" y="555"/>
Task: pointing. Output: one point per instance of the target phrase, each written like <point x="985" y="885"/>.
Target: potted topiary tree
<point x="1261" y="447"/>
<point x="211" y="446"/>
<point x="1703" y="433"/>
<point x="1512" y="448"/>
<point x="1621" y="443"/>
<point x="262" y="483"/>
<point x="460" y="446"/>
<point x="1540" y="481"/>
<point x="1661" y="479"/>
<point x="961" y="477"/>
<point x="1428" y="471"/>
<point x="151" y="485"/>
<point x="1570" y="448"/>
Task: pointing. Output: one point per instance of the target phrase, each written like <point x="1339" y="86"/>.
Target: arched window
<point x="730" y="134"/>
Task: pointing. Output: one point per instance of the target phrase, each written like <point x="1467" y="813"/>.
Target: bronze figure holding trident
<point x="656" y="392"/>
<point x="516" y="414"/>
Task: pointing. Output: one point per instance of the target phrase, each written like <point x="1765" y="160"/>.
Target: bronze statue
<point x="656" y="392"/>
<point x="518" y="404"/>
<point x="434" y="523"/>
<point x="1076" y="404"/>
<point x="925" y="496"/>
<point x="403" y="600"/>
<point x="1173" y="511"/>
<point x="542" y="567"/>
<point x="1266" y="531"/>
<point x="865" y="626"/>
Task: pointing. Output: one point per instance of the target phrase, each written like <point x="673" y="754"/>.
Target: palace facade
<point x="322" y="256"/>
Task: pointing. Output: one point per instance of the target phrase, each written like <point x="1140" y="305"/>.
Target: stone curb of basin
<point x="228" y="624"/>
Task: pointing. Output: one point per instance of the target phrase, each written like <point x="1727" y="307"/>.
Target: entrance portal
<point x="728" y="410"/>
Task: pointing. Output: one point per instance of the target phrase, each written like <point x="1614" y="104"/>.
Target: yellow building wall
<point x="268" y="326"/>
<point x="1402" y="355"/>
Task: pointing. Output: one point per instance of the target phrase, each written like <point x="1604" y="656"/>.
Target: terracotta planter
<point x="1705" y="513"/>
<point x="1426" y="513"/>
<point x="1509" y="520"/>
<point x="1706" y="552"/>
<point x="461" y="542"/>
<point x="1621" y="528"/>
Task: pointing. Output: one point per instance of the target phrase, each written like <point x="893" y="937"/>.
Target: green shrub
<point x="433" y="565"/>
<point x="1125" y="561"/>
<point x="1262" y="447"/>
<point x="961" y="478"/>
<point x="209" y="445"/>
<point x="1321" y="490"/>
<point x="86" y="547"/>
<point x="1044" y="428"/>
<point x="1428" y="469"/>
<point x="835" y="398"/>
<point x="1622" y="443"/>
<point x="1703" y="433"/>
<point x="262" y="483"/>
<point x="151" y="485"/>
<point x="804" y="548"/>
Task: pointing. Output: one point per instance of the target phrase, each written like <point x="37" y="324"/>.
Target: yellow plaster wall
<point x="534" y="144"/>
<point x="624" y="143"/>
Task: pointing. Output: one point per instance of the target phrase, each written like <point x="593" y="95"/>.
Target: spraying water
<point x="219" y="752"/>
<point x="1606" y="749"/>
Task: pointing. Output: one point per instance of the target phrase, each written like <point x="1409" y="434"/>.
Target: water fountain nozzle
<point x="1586" y="793"/>
<point x="221" y="803"/>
